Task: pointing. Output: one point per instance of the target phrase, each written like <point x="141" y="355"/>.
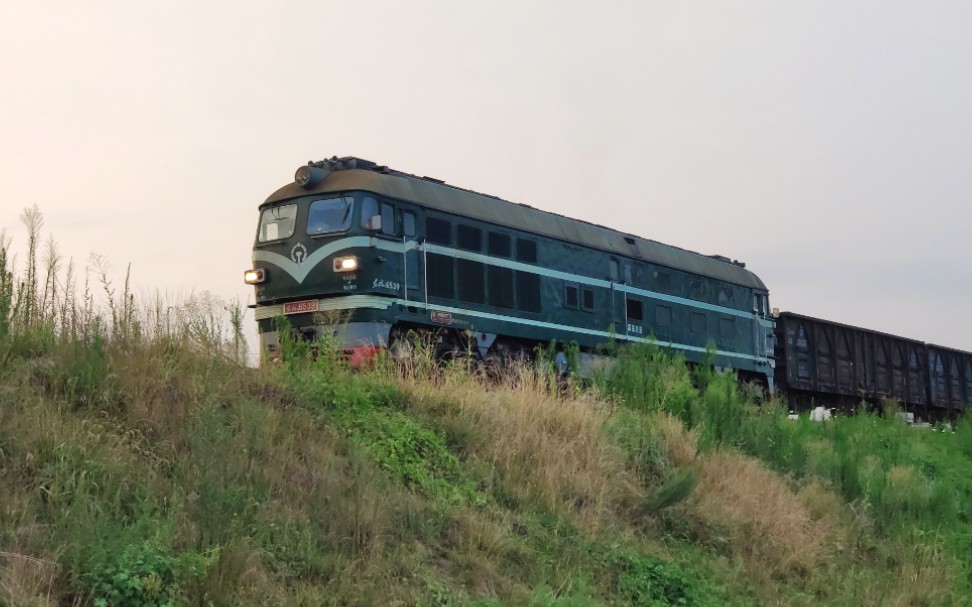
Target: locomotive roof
<point x="437" y="195"/>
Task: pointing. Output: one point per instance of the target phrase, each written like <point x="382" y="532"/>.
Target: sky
<point x="827" y="144"/>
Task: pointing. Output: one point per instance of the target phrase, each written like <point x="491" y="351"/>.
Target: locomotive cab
<point x="330" y="260"/>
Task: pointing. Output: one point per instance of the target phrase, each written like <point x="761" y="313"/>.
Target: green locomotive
<point x="393" y="252"/>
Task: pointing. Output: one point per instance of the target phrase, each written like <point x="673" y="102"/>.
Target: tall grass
<point x="99" y="395"/>
<point x="900" y="482"/>
<point x="142" y="462"/>
<point x="544" y="449"/>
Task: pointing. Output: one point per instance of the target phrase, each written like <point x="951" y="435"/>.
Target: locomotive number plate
<point x="443" y="318"/>
<point x="300" y="307"/>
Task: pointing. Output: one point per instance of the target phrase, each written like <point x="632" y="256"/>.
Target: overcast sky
<point x="827" y="144"/>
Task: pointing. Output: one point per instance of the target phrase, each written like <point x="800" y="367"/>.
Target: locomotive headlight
<point x="308" y="176"/>
<point x="345" y="264"/>
<point x="254" y="277"/>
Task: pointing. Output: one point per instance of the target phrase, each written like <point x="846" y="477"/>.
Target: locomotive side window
<point x="614" y="270"/>
<point x="587" y="299"/>
<point x="759" y="303"/>
<point x="663" y="282"/>
<point x="470" y="238"/>
<point x="526" y="250"/>
<point x="471" y="279"/>
<point x="369" y="208"/>
<point x="329" y="215"/>
<point x="528" y="291"/>
<point x="697" y="322"/>
<point x="277" y="222"/>
<point x="726" y="296"/>
<point x="570" y="296"/>
<point x="697" y="289"/>
<point x="635" y="310"/>
<point x="441" y="276"/>
<point x="499" y="283"/>
<point x="498" y="244"/>
<point x="408" y="223"/>
<point x="438" y="231"/>
<point x="388" y="227"/>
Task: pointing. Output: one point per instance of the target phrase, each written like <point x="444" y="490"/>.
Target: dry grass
<point x="925" y="576"/>
<point x="158" y="386"/>
<point x="678" y="444"/>
<point x="238" y="571"/>
<point x="768" y="524"/>
<point x="28" y="581"/>
<point x="545" y="447"/>
<point x="478" y="543"/>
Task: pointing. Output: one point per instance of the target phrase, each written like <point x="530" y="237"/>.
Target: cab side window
<point x="388" y="227"/>
<point x="408" y="223"/>
<point x="369" y="208"/>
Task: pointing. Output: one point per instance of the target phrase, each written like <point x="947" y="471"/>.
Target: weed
<point x="6" y="285"/>
<point x="141" y="574"/>
<point x="646" y="580"/>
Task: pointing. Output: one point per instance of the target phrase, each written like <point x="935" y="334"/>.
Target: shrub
<point x="140" y="575"/>
<point x="647" y="580"/>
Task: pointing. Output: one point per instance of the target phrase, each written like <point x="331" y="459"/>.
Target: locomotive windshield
<point x="277" y="222"/>
<point x="329" y="215"/>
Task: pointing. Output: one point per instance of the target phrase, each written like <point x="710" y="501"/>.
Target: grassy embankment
<point x="142" y="464"/>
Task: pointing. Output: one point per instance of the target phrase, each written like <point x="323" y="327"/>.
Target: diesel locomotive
<point x="389" y="252"/>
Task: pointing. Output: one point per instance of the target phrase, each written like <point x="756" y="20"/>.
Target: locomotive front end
<point x="319" y="266"/>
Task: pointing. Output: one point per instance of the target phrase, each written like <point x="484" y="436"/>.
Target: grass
<point x="525" y="443"/>
<point x="881" y="507"/>
<point x="142" y="463"/>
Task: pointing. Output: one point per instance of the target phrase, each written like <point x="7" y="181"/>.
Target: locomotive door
<point x="412" y="268"/>
<point x="618" y="322"/>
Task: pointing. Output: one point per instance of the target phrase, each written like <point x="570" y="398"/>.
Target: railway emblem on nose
<point x="298" y="253"/>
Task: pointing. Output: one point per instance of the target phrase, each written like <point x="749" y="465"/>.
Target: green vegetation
<point x="141" y="463"/>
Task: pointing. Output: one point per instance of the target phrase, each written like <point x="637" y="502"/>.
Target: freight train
<point x="388" y="252"/>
